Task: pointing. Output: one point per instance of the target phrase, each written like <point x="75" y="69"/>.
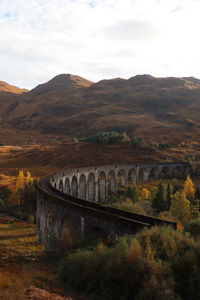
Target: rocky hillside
<point x="68" y="105"/>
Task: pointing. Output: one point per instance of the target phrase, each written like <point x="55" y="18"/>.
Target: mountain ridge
<point x="146" y="106"/>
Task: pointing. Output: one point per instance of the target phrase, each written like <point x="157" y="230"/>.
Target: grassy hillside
<point x="67" y="106"/>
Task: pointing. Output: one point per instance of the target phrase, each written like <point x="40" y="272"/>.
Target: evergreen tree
<point x="159" y="201"/>
<point x="5" y="192"/>
<point x="29" y="199"/>
<point x="131" y="192"/>
<point x="170" y="192"/>
<point x="197" y="192"/>
<point x="175" y="185"/>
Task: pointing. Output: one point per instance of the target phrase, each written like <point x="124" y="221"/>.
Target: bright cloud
<point x="98" y="39"/>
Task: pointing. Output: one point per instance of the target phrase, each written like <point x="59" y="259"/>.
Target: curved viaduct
<point x="69" y="201"/>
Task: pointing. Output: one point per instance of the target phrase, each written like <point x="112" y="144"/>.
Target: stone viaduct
<point x="70" y="202"/>
<point x="95" y="183"/>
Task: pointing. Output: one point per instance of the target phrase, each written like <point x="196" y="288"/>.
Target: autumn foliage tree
<point x="24" y="193"/>
<point x="180" y="207"/>
<point x="145" y="194"/>
<point x="189" y="189"/>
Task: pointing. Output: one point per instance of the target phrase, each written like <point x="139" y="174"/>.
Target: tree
<point x="19" y="187"/>
<point x="195" y="209"/>
<point x="159" y="201"/>
<point x="131" y="192"/>
<point x="29" y="178"/>
<point x="28" y="199"/>
<point x="5" y="192"/>
<point x="145" y="194"/>
<point x="189" y="189"/>
<point x="170" y="192"/>
<point x="180" y="207"/>
<point x="197" y="192"/>
<point x="20" y="181"/>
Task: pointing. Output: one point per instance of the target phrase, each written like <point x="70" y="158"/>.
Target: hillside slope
<point x="153" y="108"/>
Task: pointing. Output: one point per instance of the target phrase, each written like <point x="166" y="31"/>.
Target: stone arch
<point x="102" y="186"/>
<point x="67" y="186"/>
<point x="82" y="186"/>
<point x="60" y="185"/>
<point x="165" y="172"/>
<point x="121" y="178"/>
<point x="111" y="181"/>
<point x="74" y="186"/>
<point x="132" y="177"/>
<point x="177" y="171"/>
<point x="143" y="175"/>
<point x="153" y="173"/>
<point x="91" y="187"/>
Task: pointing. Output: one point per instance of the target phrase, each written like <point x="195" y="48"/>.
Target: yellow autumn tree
<point x="29" y="178"/>
<point x="180" y="207"/>
<point x="189" y="188"/>
<point x="20" y="181"/>
<point x="145" y="194"/>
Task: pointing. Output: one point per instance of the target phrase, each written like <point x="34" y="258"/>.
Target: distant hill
<point x="68" y="105"/>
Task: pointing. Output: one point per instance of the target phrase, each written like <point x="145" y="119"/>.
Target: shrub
<point x="136" y="141"/>
<point x="157" y="263"/>
<point x="193" y="228"/>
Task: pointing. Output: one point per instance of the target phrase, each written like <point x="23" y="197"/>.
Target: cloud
<point x="132" y="30"/>
<point x="97" y="39"/>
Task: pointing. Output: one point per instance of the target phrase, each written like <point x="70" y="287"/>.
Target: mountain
<point x="146" y="106"/>
<point x="7" y="88"/>
<point x="8" y="99"/>
<point x="61" y="81"/>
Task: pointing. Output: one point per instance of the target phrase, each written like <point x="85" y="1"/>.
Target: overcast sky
<point x="98" y="39"/>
